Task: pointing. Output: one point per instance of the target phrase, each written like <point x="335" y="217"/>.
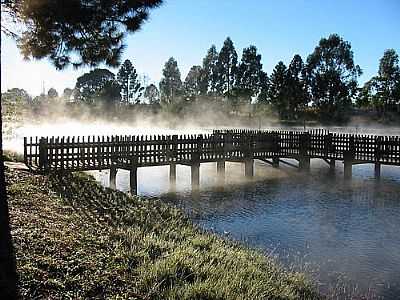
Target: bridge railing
<point x="100" y="152"/>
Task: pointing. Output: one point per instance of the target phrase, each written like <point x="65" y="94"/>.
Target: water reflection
<point x="345" y="230"/>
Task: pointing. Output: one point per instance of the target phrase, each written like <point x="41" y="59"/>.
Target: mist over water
<point x="344" y="234"/>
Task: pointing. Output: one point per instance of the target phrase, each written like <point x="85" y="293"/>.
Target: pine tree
<point x="277" y="92"/>
<point x="226" y="68"/>
<point x="152" y="94"/>
<point x="131" y="88"/>
<point x="170" y="84"/>
<point x="297" y="96"/>
<point x="193" y="82"/>
<point x="209" y="74"/>
<point x="250" y="74"/>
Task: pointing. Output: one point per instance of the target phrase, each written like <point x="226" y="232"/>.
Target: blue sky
<point x="185" y="29"/>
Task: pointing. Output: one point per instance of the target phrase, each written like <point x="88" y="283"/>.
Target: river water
<point x="345" y="235"/>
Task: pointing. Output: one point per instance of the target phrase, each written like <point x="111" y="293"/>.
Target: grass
<point x="76" y="239"/>
<point x="12" y="156"/>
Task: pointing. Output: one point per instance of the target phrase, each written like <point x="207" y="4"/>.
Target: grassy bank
<point x="76" y="239"/>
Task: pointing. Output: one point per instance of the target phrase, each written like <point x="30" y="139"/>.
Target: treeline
<point x="324" y="86"/>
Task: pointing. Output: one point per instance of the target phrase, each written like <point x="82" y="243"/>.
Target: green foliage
<point x="80" y="32"/>
<point x="226" y="68"/>
<point x="152" y="94"/>
<point x="209" y="75"/>
<point x="98" y="82"/>
<point x="382" y="91"/>
<point x="131" y="88"/>
<point x="250" y="74"/>
<point x="192" y="84"/>
<point x="76" y="239"/>
<point x="278" y="90"/>
<point x="332" y="77"/>
<point x="297" y="94"/>
<point x="52" y="93"/>
<point x="170" y="84"/>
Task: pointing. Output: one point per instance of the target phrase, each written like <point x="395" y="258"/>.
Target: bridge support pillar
<point x="172" y="175"/>
<point x="221" y="171"/>
<point x="332" y="165"/>
<point x="133" y="180"/>
<point x="304" y="163"/>
<point x="195" y="175"/>
<point x="377" y="170"/>
<point x="275" y="162"/>
<point x="113" y="177"/>
<point x="348" y="169"/>
<point x="249" y="167"/>
<point x="348" y="159"/>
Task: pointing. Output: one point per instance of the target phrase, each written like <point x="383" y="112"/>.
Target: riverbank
<point x="75" y="239"/>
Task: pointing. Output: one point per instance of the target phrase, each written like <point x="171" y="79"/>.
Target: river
<point x="345" y="235"/>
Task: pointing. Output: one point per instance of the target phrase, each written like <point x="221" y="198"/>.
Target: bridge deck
<point x="47" y="154"/>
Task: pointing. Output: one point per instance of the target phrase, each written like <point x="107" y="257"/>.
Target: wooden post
<point x="43" y="164"/>
<point x="172" y="175"/>
<point x="25" y="150"/>
<point x="275" y="161"/>
<point x="304" y="158"/>
<point x="195" y="175"/>
<point x="248" y="157"/>
<point x="377" y="170"/>
<point x="133" y="176"/>
<point x="113" y="177"/>
<point x="332" y="165"/>
<point x="348" y="158"/>
<point x="249" y="167"/>
<point x="221" y="171"/>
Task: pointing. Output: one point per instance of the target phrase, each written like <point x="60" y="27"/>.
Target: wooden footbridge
<point x="68" y="154"/>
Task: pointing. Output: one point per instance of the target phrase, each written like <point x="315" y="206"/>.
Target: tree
<point x="170" y="84"/>
<point x="80" y="32"/>
<point x="52" y="93"/>
<point x="388" y="80"/>
<point x="152" y="94"/>
<point x="92" y="32"/>
<point x="226" y="68"/>
<point x="332" y="76"/>
<point x="16" y="95"/>
<point x="209" y="73"/>
<point x="278" y="90"/>
<point x="109" y="95"/>
<point x="249" y="73"/>
<point x="131" y="88"/>
<point x="192" y="83"/>
<point x="90" y="84"/>
<point x="67" y="94"/>
<point x="297" y="94"/>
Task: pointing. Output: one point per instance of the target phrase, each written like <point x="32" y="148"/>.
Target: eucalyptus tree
<point x="332" y="76"/>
